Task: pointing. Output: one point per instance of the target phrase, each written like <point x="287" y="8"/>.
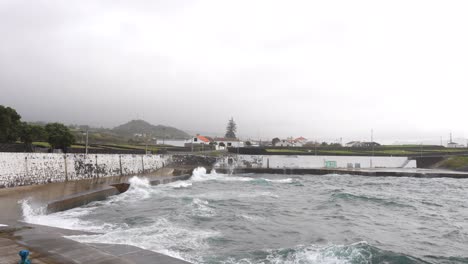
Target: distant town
<point x="139" y="136"/>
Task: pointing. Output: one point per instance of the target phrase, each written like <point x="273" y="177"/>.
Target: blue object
<point x="24" y="257"/>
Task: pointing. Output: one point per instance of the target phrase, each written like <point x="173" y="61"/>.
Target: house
<point x="359" y="144"/>
<point x="454" y="145"/>
<point x="290" y="142"/>
<point x="353" y="144"/>
<point x="197" y="140"/>
<point x="284" y="143"/>
<point x="224" y="143"/>
<point x="300" y="141"/>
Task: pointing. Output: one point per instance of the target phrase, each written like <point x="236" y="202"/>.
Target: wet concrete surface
<point x="40" y="195"/>
<point x="50" y="243"/>
<point x="47" y="244"/>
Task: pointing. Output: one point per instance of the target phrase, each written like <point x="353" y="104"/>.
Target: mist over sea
<point x="252" y="218"/>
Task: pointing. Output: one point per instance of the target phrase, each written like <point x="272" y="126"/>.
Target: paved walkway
<point x="9" y="253"/>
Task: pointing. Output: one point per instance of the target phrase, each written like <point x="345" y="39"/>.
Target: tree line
<point x="12" y="129"/>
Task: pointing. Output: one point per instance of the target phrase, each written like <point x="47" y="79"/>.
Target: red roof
<point x="300" y="139"/>
<point x="204" y="139"/>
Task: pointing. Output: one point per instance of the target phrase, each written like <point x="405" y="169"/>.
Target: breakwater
<point x="82" y="198"/>
<point x="313" y="162"/>
<point x="417" y="173"/>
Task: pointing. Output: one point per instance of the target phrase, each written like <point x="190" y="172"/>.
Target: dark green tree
<point x="9" y="124"/>
<point x="275" y="141"/>
<point x="231" y="129"/>
<point x="29" y="133"/>
<point x="59" y="136"/>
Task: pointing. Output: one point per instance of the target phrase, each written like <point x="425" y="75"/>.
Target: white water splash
<point x="200" y="207"/>
<point x="200" y="175"/>
<point x="332" y="254"/>
<point x="288" y="180"/>
<point x="162" y="236"/>
<point x="179" y="184"/>
<point x="35" y="214"/>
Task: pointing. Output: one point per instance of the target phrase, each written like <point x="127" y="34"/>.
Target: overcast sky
<point x="318" y="69"/>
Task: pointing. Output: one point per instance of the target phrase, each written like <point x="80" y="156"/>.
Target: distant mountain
<point x="141" y="127"/>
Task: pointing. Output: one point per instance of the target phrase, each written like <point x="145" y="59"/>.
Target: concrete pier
<point x="384" y="172"/>
<point x="48" y="245"/>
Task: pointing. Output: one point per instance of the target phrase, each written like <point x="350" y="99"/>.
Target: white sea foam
<point x="200" y="207"/>
<point x="140" y="189"/>
<point x="333" y="254"/>
<point x="162" y="236"/>
<point x="288" y="180"/>
<point x="36" y="214"/>
<point x="200" y="175"/>
<point x="2" y="225"/>
<point x="253" y="218"/>
<point x="179" y="184"/>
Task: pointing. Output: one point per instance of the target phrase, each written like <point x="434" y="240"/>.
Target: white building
<point x="359" y="144"/>
<point x="298" y="142"/>
<point x="225" y="143"/>
<point x="353" y="144"/>
<point x="198" y="140"/>
<point x="284" y="143"/>
<point x="454" y="145"/>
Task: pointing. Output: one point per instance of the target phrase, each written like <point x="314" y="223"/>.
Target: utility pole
<point x="86" y="148"/>
<point x="372" y="141"/>
<point x="146" y="146"/>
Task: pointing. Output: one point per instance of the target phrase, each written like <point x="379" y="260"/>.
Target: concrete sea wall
<point x="310" y="162"/>
<point x="18" y="169"/>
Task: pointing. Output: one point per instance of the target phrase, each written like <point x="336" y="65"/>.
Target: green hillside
<point x="135" y="127"/>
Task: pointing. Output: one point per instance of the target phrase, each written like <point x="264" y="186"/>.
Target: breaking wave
<point x="200" y="174"/>
<point x="36" y="214"/>
<point x="357" y="253"/>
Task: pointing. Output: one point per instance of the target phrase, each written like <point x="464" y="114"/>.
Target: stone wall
<point x="309" y="162"/>
<point x="17" y="169"/>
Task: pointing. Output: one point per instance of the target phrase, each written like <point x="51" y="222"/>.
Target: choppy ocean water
<point x="250" y="218"/>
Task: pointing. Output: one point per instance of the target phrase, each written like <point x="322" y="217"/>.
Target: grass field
<point x="453" y="163"/>
<point x="403" y="150"/>
<point x="47" y="145"/>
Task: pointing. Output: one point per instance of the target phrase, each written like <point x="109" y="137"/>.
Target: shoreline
<point x="48" y="244"/>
